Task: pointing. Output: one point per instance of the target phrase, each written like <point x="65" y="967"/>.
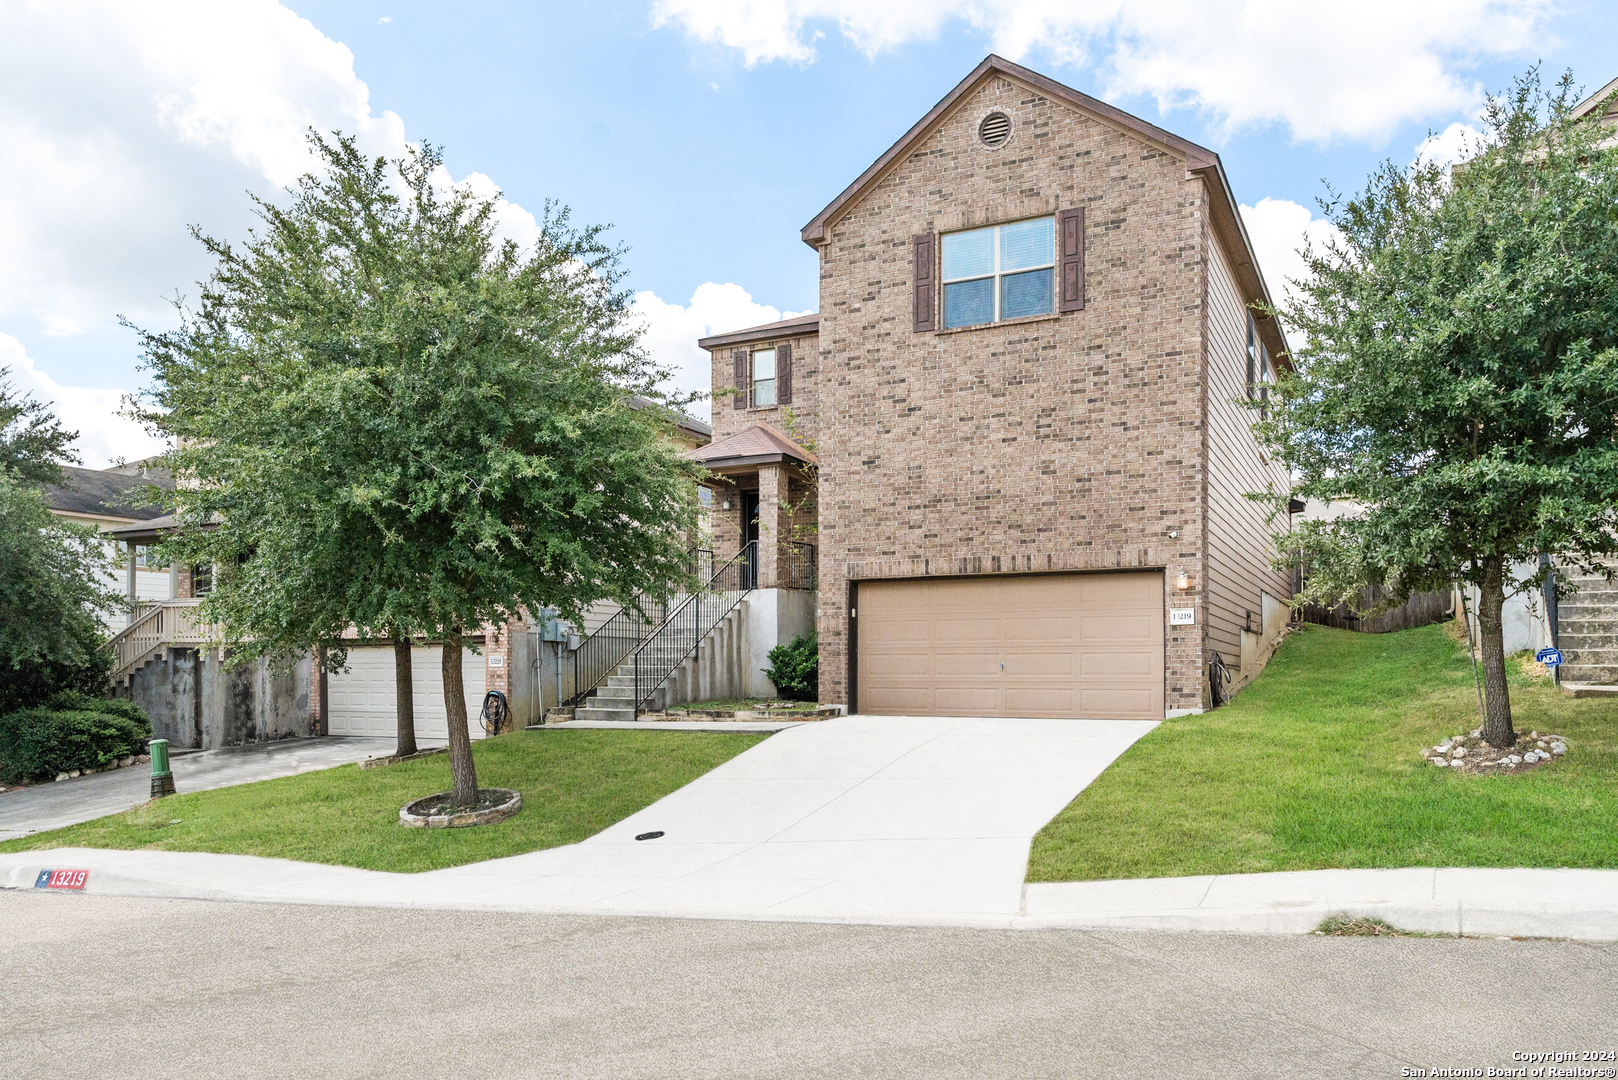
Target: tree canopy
<point x="55" y="581"/>
<point x="1458" y="376"/>
<point x="387" y="418"/>
<point x="33" y="443"/>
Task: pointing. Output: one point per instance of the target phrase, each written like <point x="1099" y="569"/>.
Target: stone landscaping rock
<point x="494" y="804"/>
<point x="1470" y="753"/>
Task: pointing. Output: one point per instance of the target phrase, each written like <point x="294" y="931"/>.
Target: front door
<point x="750" y="536"/>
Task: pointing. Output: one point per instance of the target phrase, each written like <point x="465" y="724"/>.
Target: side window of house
<point x="202" y="579"/>
<point x="146" y="558"/>
<point x="1001" y="272"/>
<point x="763" y="378"/>
<point x="1252" y="358"/>
<point x="1266" y="376"/>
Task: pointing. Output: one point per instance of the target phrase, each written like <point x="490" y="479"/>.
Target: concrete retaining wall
<point x="195" y="700"/>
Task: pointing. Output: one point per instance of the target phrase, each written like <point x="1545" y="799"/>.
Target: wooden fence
<point x="1420" y="610"/>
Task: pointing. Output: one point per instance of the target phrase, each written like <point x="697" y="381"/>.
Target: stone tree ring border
<point x="995" y="130"/>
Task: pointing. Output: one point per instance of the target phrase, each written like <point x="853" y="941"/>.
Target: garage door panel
<point x="1034" y="628"/>
<point x="361" y="700"/>
<point x="1135" y="666"/>
<point x="1120" y="703"/>
<point x="966" y="701"/>
<point x="902" y="665"/>
<point x="1041" y="701"/>
<point x="1044" y="663"/>
<point x="906" y="630"/>
<point x="1071" y="645"/>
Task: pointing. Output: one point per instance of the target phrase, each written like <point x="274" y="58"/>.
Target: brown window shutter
<point x="783" y="374"/>
<point x="738" y="358"/>
<point x="1070" y="238"/>
<point x="925" y="297"/>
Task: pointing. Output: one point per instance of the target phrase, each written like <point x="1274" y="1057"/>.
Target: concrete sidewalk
<point x="878" y="820"/>
<point x="84" y="798"/>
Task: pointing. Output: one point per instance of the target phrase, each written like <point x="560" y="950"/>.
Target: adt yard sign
<point x="1549" y="657"/>
<point x="62" y="879"/>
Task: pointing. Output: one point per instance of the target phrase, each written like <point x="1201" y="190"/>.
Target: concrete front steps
<point x="710" y="671"/>
<point x="1587" y="633"/>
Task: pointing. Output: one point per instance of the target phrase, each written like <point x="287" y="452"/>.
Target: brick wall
<point x="727" y="419"/>
<point x="1068" y="442"/>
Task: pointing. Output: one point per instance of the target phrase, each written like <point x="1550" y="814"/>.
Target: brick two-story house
<point x="1016" y="419"/>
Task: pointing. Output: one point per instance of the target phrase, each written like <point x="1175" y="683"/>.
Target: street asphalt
<point x="100" y="986"/>
<point x="83" y="798"/>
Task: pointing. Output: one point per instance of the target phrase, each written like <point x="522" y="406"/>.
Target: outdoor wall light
<point x="725" y="505"/>
<point x="1183" y="581"/>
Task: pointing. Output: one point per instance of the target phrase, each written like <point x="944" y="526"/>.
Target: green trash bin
<point x="162" y="775"/>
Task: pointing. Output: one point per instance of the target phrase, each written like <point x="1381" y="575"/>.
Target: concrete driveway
<point x="84" y="798"/>
<point x="869" y="814"/>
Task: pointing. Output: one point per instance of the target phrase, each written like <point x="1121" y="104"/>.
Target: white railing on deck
<point x="156" y="626"/>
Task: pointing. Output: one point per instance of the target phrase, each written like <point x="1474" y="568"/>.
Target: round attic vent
<point x="995" y="129"/>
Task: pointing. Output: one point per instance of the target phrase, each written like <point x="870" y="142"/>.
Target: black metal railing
<point x="666" y="648"/>
<point x="797" y="566"/>
<point x="599" y="654"/>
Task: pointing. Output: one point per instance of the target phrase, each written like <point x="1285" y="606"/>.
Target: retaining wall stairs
<point x="1587" y="632"/>
<point x="711" y="671"/>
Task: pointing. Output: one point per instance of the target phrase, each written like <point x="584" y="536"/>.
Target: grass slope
<point x="573" y="785"/>
<point x="1315" y="766"/>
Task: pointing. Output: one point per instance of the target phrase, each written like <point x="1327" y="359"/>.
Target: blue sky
<point x="706" y="131"/>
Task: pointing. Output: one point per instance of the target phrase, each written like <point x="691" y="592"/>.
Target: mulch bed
<point x="1470" y="754"/>
<point x="488" y="799"/>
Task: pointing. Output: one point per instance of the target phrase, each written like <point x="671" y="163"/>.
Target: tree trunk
<point x="461" y="766"/>
<point x="404" y="696"/>
<point x="1497" y="702"/>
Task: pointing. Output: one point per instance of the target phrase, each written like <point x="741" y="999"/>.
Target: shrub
<point x="37" y="744"/>
<point x="78" y="701"/>
<point x="795" y="668"/>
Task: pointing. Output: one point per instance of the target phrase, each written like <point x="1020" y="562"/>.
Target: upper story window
<point x="202" y="579"/>
<point x="1002" y="272"/>
<point x="763" y="378"/>
<point x="1259" y="372"/>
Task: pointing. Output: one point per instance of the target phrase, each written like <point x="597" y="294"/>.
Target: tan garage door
<point x="1063" y="645"/>
<point x="362" y="699"/>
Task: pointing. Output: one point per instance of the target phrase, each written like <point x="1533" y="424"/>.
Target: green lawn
<point x="1314" y="766"/>
<point x="573" y="785"/>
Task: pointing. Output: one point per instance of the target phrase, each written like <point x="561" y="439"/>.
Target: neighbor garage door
<point x="1062" y="645"/>
<point x="361" y="699"/>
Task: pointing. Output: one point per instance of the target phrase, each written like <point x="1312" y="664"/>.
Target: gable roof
<point x="759" y="444"/>
<point x="1589" y="103"/>
<point x="688" y="424"/>
<point x="104" y="493"/>
<point x="808" y="323"/>
<point x="1199" y="160"/>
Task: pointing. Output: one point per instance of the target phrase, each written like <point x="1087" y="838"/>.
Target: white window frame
<point x="753" y="380"/>
<point x="997" y="276"/>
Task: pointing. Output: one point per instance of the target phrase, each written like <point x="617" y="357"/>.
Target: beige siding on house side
<point x="1238" y="534"/>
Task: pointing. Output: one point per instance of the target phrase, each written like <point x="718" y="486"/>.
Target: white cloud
<point x="104" y="436"/>
<point x="1278" y="229"/>
<point x="1321" y="71"/>
<point x="125" y="123"/>
<point x="1455" y="143"/>
<point x="672" y="330"/>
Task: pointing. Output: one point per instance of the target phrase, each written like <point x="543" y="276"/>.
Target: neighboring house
<point x="1029" y="460"/>
<point x="196" y="700"/>
<point x="106" y="498"/>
